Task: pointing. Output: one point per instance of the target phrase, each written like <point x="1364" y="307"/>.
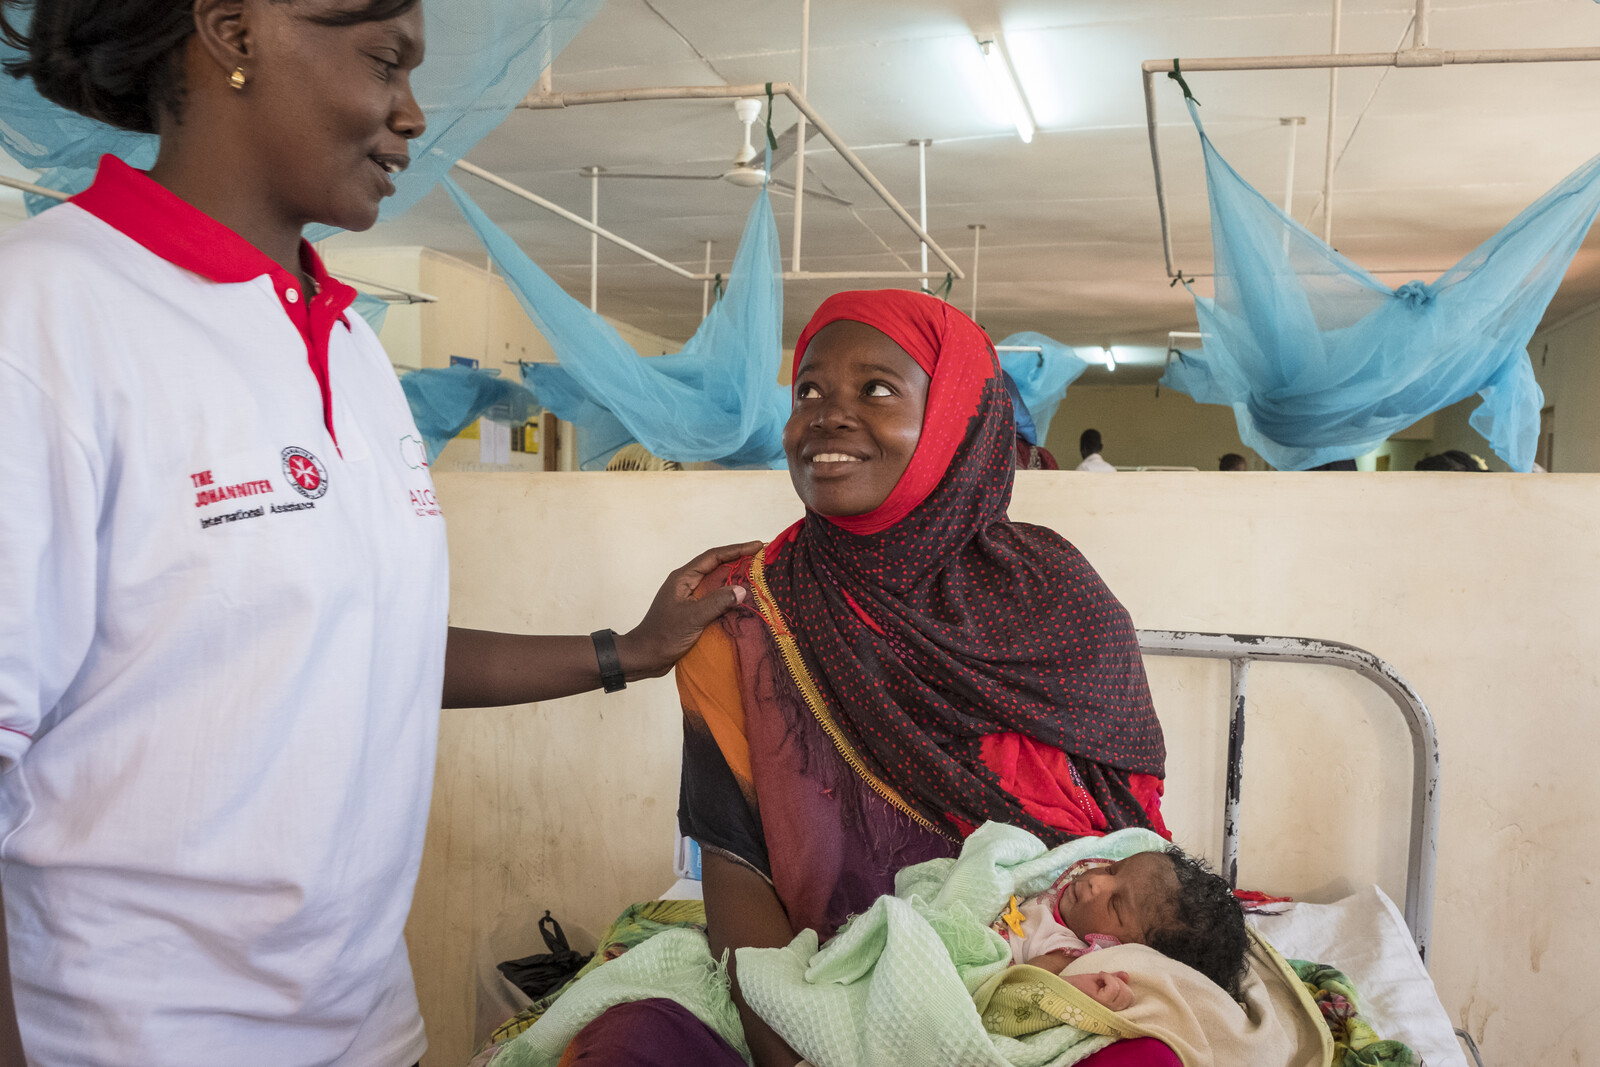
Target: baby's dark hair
<point x="118" y="61"/>
<point x="1204" y="927"/>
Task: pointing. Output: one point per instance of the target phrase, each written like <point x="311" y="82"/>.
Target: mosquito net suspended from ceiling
<point x="1320" y="361"/>
<point x="482" y="58"/>
<point x="446" y="400"/>
<point x="718" y="400"/>
<point x="1040" y="380"/>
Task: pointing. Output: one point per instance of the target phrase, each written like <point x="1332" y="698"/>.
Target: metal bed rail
<point x="1242" y="650"/>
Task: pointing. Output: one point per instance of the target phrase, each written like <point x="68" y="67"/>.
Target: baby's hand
<point x="1105" y="987"/>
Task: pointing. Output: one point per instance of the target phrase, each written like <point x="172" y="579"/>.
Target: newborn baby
<point x="1166" y="900"/>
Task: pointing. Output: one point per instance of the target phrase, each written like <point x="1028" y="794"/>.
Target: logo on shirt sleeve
<point x="413" y="452"/>
<point x="305" y="472"/>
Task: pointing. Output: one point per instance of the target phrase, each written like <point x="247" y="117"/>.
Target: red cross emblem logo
<point x="306" y="474"/>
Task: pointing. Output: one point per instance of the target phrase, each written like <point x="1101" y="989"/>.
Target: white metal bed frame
<point x="1242" y="650"/>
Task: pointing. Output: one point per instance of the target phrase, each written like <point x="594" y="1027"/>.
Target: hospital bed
<point x="1381" y="947"/>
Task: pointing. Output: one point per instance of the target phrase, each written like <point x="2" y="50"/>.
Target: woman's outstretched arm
<point x="742" y="911"/>
<point x="483" y="669"/>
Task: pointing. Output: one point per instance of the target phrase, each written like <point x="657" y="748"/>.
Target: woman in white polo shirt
<point x="223" y="590"/>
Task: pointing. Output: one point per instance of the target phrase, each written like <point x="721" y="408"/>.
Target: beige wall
<point x="1566" y="364"/>
<point x="1481" y="591"/>
<point x="1142" y="429"/>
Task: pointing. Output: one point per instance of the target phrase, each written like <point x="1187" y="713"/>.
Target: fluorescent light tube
<point x="1007" y="86"/>
<point x="1111" y="357"/>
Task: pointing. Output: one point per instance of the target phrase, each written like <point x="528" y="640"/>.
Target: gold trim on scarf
<point x="789" y="648"/>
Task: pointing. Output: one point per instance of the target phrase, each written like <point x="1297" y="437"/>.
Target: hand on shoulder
<point x="693" y="596"/>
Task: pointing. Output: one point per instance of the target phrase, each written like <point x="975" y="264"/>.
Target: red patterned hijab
<point x="934" y="621"/>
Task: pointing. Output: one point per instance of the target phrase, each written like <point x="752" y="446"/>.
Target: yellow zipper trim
<point x="790" y="650"/>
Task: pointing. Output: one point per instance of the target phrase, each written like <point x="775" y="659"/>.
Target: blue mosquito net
<point x="483" y="57"/>
<point x="446" y="400"/>
<point x="1320" y="361"/>
<point x="1038" y="380"/>
<point x="718" y="400"/>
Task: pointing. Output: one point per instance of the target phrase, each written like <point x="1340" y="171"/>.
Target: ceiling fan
<point x="747" y="170"/>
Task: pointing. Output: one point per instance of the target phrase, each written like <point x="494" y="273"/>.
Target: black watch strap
<point x="605" y="651"/>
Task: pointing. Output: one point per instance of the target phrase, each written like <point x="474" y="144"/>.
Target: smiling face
<point x="1126" y="900"/>
<point x="858" y="406"/>
<point x="330" y="105"/>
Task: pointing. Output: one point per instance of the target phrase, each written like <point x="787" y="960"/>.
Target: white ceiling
<point x="1442" y="158"/>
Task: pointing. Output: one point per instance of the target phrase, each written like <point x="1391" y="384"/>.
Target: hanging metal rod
<point x="557" y="209"/>
<point x="545" y="101"/>
<point x="1412" y="57"/>
<point x="29" y="187"/>
<point x="623" y="242"/>
<point x="402" y="296"/>
<point x="805" y="275"/>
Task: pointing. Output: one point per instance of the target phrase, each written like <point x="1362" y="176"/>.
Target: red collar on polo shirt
<point x="187" y="237"/>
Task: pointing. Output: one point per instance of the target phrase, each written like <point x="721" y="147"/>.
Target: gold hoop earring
<point x="236" y="79"/>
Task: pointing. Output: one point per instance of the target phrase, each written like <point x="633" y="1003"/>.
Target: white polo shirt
<point x="223" y="602"/>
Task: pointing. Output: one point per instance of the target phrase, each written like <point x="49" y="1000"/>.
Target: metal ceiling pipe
<point x="1432" y="57"/>
<point x="1408" y="58"/>
<point x="594" y="239"/>
<point x="1333" y="114"/>
<point x="977" y="238"/>
<point x="872" y="180"/>
<point x="1155" y="163"/>
<point x="732" y="92"/>
<point x="705" y="286"/>
<point x="1294" y="125"/>
<point x="811" y="275"/>
<point x="922" y="198"/>
<point x="405" y="296"/>
<point x="557" y="209"/>
<point x="29" y="187"/>
<point x="800" y="129"/>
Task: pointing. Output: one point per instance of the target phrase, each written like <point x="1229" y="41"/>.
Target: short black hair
<point x="1451" y="460"/>
<point x="120" y="61"/>
<point x="1231" y="461"/>
<point x="1204" y="926"/>
<point x="1089" y="443"/>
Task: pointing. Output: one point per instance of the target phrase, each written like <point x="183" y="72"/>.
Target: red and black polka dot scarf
<point x="934" y="621"/>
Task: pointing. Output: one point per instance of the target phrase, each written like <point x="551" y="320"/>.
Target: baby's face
<point x="1124" y="899"/>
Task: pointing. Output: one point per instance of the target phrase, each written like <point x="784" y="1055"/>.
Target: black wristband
<point x="605" y="651"/>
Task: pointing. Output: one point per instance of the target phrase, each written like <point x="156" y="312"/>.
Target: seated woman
<point x="910" y="663"/>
